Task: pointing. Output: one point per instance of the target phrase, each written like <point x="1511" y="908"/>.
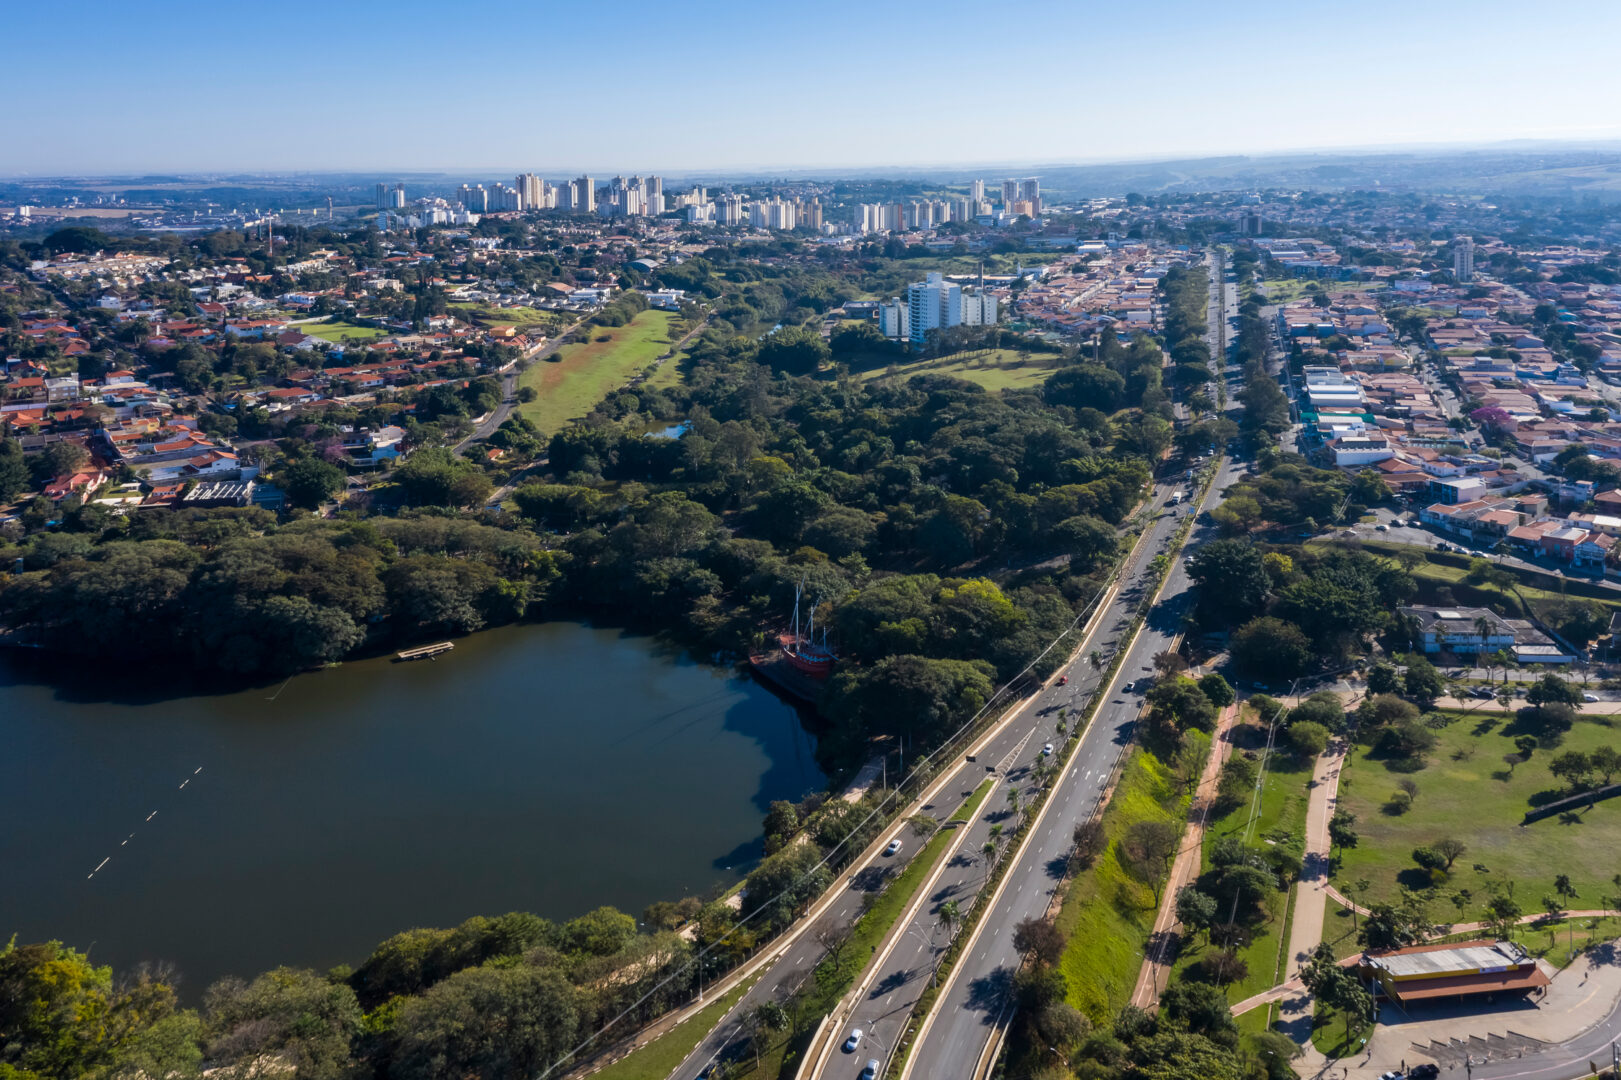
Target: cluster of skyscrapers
<point x="935" y="304"/>
<point x="633" y="197"/>
<point x="1019" y="196"/>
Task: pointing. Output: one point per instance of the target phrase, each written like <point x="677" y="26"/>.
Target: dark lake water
<point x="549" y="768"/>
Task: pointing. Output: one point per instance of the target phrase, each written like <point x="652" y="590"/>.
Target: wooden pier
<point x="425" y="652"/>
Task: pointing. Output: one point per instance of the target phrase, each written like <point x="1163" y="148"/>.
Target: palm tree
<point x="1013" y="800"/>
<point x="949" y="917"/>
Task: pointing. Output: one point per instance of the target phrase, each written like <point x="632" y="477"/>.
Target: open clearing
<point x="994" y="369"/>
<point x="1468" y="793"/>
<point x="576" y="377"/>
<point x="340" y="332"/>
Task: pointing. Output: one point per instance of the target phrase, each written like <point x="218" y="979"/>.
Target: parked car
<point x="1381" y="527"/>
<point x="1427" y="1070"/>
<point x="1590" y="697"/>
<point x="854" y="1040"/>
<point x="1483" y="692"/>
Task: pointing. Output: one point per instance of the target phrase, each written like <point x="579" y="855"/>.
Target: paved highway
<point x="968" y="1010"/>
<point x="975" y="1001"/>
<point x="1007" y="755"/>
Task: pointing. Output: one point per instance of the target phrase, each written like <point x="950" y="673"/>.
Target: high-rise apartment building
<point x="382" y="196"/>
<point x="1463" y="259"/>
<point x="1010" y="192"/>
<point x="729" y="210"/>
<point x="976" y="191"/>
<point x="397" y="197"/>
<point x="585" y="195"/>
<point x="531" y="191"/>
<point x="931" y="304"/>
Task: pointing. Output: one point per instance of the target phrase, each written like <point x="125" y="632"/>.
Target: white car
<point x="871" y="1071"/>
<point x="853" y="1041"/>
<point x="894" y="846"/>
<point x="1590" y="697"/>
<point x="1045" y="750"/>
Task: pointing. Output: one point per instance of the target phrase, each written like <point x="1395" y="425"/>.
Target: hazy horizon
<point x="182" y="87"/>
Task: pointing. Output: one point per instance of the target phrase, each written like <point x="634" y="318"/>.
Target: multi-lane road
<point x="953" y="1039"/>
<point x="974" y="998"/>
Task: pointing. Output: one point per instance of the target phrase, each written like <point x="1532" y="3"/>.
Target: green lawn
<point x="1108" y="914"/>
<point x="994" y="369"/>
<point x="341" y="331"/>
<point x="658" y="1059"/>
<point x="1467" y="793"/>
<point x="1280" y="820"/>
<point x="577" y="376"/>
<point x="524" y="318"/>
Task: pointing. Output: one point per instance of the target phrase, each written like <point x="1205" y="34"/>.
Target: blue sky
<point x="173" y="85"/>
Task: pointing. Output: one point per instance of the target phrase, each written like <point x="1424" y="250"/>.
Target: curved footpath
<point x="1558" y="1035"/>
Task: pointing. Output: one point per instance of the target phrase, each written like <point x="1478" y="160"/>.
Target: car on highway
<point x="1590" y="697"/>
<point x="894" y="846"/>
<point x="1063" y="680"/>
<point x="871" y="1071"/>
<point x="1047" y="749"/>
<point x="854" y="1040"/>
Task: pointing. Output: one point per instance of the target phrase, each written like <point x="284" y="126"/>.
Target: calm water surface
<point x="547" y="768"/>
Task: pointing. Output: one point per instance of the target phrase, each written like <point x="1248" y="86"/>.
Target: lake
<point x="549" y="768"/>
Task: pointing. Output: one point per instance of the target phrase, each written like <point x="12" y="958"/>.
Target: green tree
<point x="13" y="470"/>
<point x="309" y="482"/>
<point x="506" y="1022"/>
<point x="1217" y="689"/>
<point x="1271" y="648"/>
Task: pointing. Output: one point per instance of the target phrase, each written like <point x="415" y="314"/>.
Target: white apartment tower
<point x="931" y="304"/>
<point x="976" y="191"/>
<point x="531" y="191"/>
<point x="1463" y="259"/>
<point x="585" y="195"/>
<point x="397" y="197"/>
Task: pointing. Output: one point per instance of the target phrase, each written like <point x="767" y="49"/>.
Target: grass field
<point x="1280" y="819"/>
<point x="524" y="318"/>
<point x="341" y="331"/>
<point x="577" y="376"/>
<point x="1468" y="793"/>
<point x="658" y="1059"/>
<point x="994" y="369"/>
<point x="1108" y="914"/>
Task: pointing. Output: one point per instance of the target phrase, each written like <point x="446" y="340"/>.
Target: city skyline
<point x="778" y="96"/>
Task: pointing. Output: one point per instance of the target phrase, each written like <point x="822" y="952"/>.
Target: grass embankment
<point x="834" y="977"/>
<point x="340" y="331"/>
<point x="1108" y="913"/>
<point x="658" y="1059"/>
<point x="994" y="369"/>
<point x="1450" y="571"/>
<point x="1280" y="819"/>
<point x="574" y="378"/>
<point x="1468" y="793"/>
<point x="485" y="315"/>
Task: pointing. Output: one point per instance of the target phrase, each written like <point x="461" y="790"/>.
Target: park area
<point x="526" y="319"/>
<point x="1465" y="791"/>
<point x="994" y="369"/>
<point x="572" y="380"/>
<point x="341" y="332"/>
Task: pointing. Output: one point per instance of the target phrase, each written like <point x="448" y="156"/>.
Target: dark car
<point x="1428" y="1070"/>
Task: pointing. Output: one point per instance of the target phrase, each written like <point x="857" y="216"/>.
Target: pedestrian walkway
<point x="1164" y="942"/>
<point x="1295" y="1005"/>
